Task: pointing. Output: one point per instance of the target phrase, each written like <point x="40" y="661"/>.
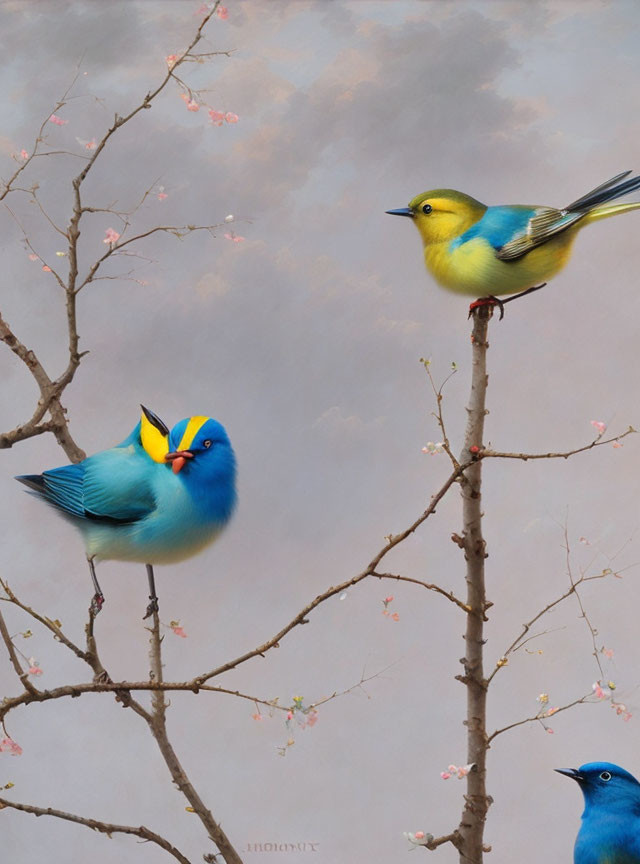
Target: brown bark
<point x="471" y="828"/>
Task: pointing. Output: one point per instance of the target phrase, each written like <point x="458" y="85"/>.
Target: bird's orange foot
<point x="487" y="301"/>
<point x="97" y="603"/>
<point x="151" y="608"/>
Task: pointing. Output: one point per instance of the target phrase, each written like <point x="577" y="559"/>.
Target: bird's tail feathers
<point x="608" y="191"/>
<point x="611" y="210"/>
<point x="35" y="482"/>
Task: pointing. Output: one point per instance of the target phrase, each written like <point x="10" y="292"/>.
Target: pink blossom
<point x="551" y="712"/>
<point x="216" y="117"/>
<point x="388" y="599"/>
<point x="608" y="653"/>
<point x="236" y="238"/>
<point x="179" y="631"/>
<point x="617" y="444"/>
<point x="258" y="716"/>
<point x="111" y="236"/>
<point x="33" y="257"/>
<point x="231" y="118"/>
<point x="162" y="196"/>
<point x="24" y="154"/>
<point x="419" y="835"/>
<point x="46" y="269"/>
<point x="548" y="730"/>
<point x="289" y="715"/>
<point x="585" y="541"/>
<point x="445" y="775"/>
<point x="395" y="617"/>
<point x="599" y="426"/>
<point x="628" y="716"/>
<point x="57" y="121"/>
<point x="192" y="105"/>
<point x="8" y="745"/>
<point x="34" y="667"/>
<point x="88" y="145"/>
<point x="222" y="12"/>
<point x="312" y="718"/>
<point x="172" y="59"/>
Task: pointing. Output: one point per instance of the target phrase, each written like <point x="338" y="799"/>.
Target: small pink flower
<point x="445" y="775"/>
<point x="289" y="715"/>
<point x="57" y="121"/>
<point x="258" y="716"/>
<point x="312" y="718"/>
<point x="172" y="59"/>
<point x="222" y="12"/>
<point x="46" y="269"/>
<point x="599" y="426"/>
<point x="236" y="238"/>
<point x="33" y="257"/>
<point x="8" y="745"/>
<point x="419" y="835"/>
<point x="91" y="145"/>
<point x="551" y="712"/>
<point x="179" y="631"/>
<point x="192" y="105"/>
<point x="231" y="118"/>
<point x="608" y="653"/>
<point x="585" y="541"/>
<point x="34" y="667"/>
<point x="24" y="154"/>
<point x="395" y="617"/>
<point x="548" y="730"/>
<point x="111" y="236"/>
<point x="628" y="716"/>
<point x="216" y="117"/>
<point x="388" y="599"/>
<point x="617" y="444"/>
<point x="162" y="196"/>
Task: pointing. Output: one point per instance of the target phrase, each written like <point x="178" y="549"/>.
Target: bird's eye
<point x="207" y="443"/>
<point x="606" y="776"/>
<point x="427" y="208"/>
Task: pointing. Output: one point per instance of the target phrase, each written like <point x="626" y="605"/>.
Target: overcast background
<point x="304" y="341"/>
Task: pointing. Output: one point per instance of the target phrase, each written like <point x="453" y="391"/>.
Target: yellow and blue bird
<point x="610" y="829"/>
<point x="486" y="252"/>
<point x="158" y="497"/>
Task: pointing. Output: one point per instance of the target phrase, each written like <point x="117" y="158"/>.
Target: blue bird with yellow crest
<point x="157" y="498"/>
<point x="610" y="829"/>
<point x="485" y="252"/>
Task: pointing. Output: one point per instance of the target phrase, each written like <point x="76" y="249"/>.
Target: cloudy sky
<point x="304" y="341"/>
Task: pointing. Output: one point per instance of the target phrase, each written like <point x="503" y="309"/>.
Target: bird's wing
<point x="118" y="485"/>
<point x="114" y="486"/>
<point x="545" y="223"/>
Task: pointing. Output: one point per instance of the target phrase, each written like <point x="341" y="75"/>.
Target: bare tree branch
<point x="476" y="801"/>
<point x="598" y="442"/>
<point x="158" y="726"/>
<point x="96" y="825"/>
<point x="541" y="715"/>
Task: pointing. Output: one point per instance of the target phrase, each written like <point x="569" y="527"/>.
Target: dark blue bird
<point x="610" y="830"/>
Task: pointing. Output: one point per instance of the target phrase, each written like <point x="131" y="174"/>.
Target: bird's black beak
<point x="155" y="421"/>
<point x="570" y="772"/>
<point x="402" y="211"/>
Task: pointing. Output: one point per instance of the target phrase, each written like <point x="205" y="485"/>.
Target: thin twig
<point x="598" y="442"/>
<point x="540" y="716"/>
<point x="107" y="828"/>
